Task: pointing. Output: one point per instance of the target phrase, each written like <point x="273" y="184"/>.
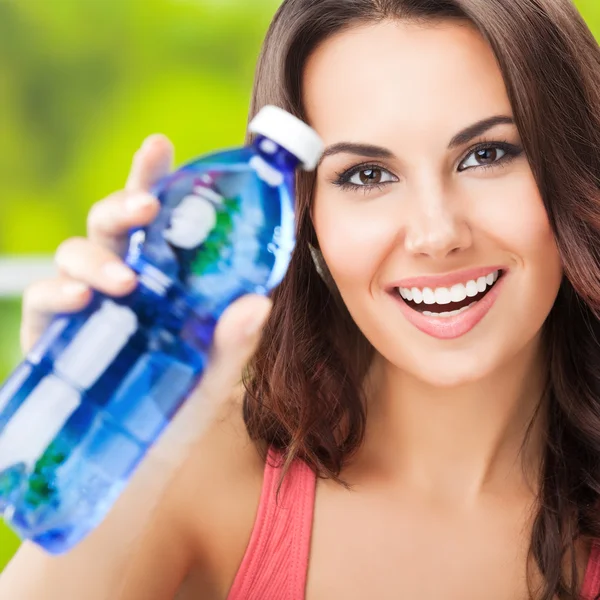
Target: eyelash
<point x="343" y="179"/>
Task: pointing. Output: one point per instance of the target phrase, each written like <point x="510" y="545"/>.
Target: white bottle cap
<point x="290" y="133"/>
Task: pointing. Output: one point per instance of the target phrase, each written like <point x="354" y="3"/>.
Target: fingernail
<point x="150" y="140"/>
<point x="75" y="289"/>
<point x="256" y="323"/>
<point x="136" y="203"/>
<point x="119" y="273"/>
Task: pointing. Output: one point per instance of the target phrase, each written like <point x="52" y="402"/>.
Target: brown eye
<point x="367" y="177"/>
<point x="487" y="155"/>
<point x="371" y="176"/>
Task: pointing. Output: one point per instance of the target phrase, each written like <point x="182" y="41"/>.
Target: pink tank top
<point x="276" y="561"/>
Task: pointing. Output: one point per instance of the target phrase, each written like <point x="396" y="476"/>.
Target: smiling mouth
<point x="449" y="302"/>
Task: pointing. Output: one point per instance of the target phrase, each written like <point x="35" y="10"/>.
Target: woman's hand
<point x="95" y="261"/>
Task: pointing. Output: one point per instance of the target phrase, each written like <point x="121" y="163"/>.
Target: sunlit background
<point x="82" y="82"/>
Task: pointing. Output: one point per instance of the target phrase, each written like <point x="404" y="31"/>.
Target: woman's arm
<point x="140" y="533"/>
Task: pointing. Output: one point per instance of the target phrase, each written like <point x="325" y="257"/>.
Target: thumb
<point x="236" y="338"/>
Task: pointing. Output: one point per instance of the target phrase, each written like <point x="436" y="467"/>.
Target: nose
<point x="436" y="225"/>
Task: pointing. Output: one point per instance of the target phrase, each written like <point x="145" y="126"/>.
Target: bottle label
<point x="97" y="344"/>
<point x="37" y="422"/>
<point x="192" y="221"/>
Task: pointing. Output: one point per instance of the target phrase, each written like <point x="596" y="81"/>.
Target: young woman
<point x="422" y="412"/>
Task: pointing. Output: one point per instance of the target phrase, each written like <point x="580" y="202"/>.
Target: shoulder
<point x="215" y="497"/>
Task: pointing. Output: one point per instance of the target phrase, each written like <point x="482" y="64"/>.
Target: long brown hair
<point x="304" y="393"/>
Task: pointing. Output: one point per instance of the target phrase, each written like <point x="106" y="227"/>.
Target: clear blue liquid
<point x="81" y="474"/>
<point x="114" y="415"/>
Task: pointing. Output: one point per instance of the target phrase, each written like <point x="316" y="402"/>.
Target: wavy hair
<point x="304" y="386"/>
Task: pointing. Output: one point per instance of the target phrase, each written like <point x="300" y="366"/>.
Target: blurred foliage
<point x="82" y="82"/>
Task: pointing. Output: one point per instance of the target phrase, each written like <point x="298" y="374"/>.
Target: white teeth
<point x="442" y="296"/>
<point x="471" y="289"/>
<point x="428" y="296"/>
<point x="457" y="293"/>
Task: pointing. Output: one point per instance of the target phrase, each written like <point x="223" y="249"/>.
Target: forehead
<point x="399" y="76"/>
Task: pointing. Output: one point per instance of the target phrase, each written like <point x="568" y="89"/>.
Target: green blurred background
<point x="82" y="82"/>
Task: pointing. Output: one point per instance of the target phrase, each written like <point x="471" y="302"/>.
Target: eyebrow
<point x="472" y="131"/>
<point x="462" y="137"/>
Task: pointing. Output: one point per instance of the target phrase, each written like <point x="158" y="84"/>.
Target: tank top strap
<point x="591" y="582"/>
<point x="276" y="560"/>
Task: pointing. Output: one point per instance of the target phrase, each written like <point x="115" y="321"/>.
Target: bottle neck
<point x="275" y="155"/>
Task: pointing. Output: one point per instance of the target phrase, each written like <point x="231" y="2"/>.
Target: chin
<point x="450" y="370"/>
<point x="451" y="376"/>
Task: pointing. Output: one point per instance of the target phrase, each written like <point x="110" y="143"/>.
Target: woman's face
<point x="425" y="203"/>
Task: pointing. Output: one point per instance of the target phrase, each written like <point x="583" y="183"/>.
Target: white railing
<point x="17" y="272"/>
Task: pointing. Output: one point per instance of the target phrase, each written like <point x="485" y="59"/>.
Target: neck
<point x="457" y="442"/>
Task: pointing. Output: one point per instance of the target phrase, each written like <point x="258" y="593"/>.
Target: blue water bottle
<point x="83" y="408"/>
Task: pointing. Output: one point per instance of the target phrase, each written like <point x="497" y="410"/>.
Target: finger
<point x="111" y="219"/>
<point x="151" y="162"/>
<point x="43" y="300"/>
<point x="97" y="267"/>
<point x="236" y="338"/>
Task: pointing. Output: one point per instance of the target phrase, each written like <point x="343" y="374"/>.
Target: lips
<point x="449" y="312"/>
<point x="446" y="280"/>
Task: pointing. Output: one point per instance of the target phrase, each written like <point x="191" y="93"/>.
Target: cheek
<point x="354" y="237"/>
<point x="514" y="218"/>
